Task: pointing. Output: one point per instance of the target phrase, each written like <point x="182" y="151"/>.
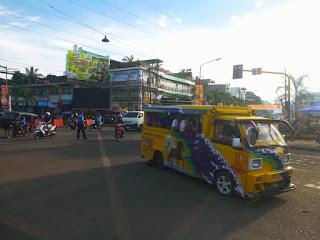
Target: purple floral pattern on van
<point x="201" y="154"/>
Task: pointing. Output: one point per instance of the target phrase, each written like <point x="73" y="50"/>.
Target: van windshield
<point x="131" y="115"/>
<point x="268" y="134"/>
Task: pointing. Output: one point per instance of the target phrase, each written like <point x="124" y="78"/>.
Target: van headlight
<point x="286" y="158"/>
<point x="255" y="163"/>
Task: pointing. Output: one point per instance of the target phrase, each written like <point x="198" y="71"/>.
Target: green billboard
<point x="83" y="65"/>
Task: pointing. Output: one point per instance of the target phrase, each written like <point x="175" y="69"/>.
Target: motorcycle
<point x="96" y="124"/>
<point x="45" y="130"/>
<point x="73" y="124"/>
<point x="119" y="131"/>
<point x="15" y="129"/>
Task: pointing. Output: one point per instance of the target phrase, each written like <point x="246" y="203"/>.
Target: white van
<point x="133" y="120"/>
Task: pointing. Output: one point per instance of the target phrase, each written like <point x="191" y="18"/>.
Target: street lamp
<point x="105" y="39"/>
<point x="217" y="59"/>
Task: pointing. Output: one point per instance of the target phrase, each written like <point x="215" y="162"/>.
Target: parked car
<point x="133" y="120"/>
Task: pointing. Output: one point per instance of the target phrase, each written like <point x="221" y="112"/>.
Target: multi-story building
<point x="128" y="85"/>
<point x="143" y="82"/>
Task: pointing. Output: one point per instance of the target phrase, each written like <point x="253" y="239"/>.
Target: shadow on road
<point x="160" y="204"/>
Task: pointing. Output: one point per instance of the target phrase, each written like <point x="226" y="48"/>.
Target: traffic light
<point x="237" y="71"/>
<point x="256" y="71"/>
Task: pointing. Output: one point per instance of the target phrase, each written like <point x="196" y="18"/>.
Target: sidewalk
<point x="309" y="145"/>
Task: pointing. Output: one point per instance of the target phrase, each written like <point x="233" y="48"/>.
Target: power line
<point x="62" y="39"/>
<point x="118" y="20"/>
<point x="80" y="35"/>
<point x="160" y="11"/>
<point x="131" y="13"/>
<point x="70" y="19"/>
<point x="25" y="64"/>
<point x="75" y="20"/>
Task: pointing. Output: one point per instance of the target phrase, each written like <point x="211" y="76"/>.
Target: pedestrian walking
<point x="81" y="126"/>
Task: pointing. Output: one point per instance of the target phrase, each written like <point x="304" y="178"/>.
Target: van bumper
<point x="258" y="195"/>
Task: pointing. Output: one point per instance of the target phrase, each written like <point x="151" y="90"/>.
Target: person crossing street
<point x="81" y="126"/>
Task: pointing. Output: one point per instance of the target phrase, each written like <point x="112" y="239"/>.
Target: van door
<point x="225" y="131"/>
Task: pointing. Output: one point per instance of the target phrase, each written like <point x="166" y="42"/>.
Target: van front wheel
<point x="225" y="184"/>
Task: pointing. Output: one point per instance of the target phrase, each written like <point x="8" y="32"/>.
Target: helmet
<point x="47" y="113"/>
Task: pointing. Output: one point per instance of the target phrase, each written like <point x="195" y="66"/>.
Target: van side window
<point x="225" y="131"/>
<point x="159" y="120"/>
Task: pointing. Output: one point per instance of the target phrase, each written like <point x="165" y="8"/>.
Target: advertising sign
<point x="82" y="65"/>
<point x="4" y="96"/>
<point x="125" y="75"/>
<point x="199" y="98"/>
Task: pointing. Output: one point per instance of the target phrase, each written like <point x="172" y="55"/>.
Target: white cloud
<point x="4" y="12"/>
<point x="286" y="36"/>
<point x="163" y="21"/>
<point x="32" y="18"/>
<point x="259" y="3"/>
<point x="17" y="24"/>
<point x="139" y="22"/>
<point x="178" y="20"/>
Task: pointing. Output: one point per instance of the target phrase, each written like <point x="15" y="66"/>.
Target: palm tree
<point x="299" y="95"/>
<point x="32" y="73"/>
<point x="128" y="59"/>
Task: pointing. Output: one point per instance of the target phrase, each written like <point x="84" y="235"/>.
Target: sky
<point x="276" y="35"/>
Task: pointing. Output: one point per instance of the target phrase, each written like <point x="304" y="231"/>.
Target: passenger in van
<point x="183" y="124"/>
<point x="175" y="123"/>
<point x="226" y="132"/>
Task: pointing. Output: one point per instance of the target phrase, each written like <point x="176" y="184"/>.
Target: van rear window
<point x="131" y="115"/>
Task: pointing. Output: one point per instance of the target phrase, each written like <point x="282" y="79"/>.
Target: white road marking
<point x="308" y="156"/>
<point x="120" y="219"/>
<point x="310" y="185"/>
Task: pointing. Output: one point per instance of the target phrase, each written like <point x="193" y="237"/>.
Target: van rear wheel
<point x="158" y="159"/>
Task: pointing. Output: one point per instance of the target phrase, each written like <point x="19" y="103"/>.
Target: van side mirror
<point x="236" y="143"/>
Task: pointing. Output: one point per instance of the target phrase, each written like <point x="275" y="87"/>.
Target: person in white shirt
<point x="175" y="123"/>
<point x="183" y="125"/>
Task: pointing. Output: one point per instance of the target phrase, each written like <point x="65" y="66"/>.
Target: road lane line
<point x="310" y="185"/>
<point x="302" y="155"/>
<point x="303" y="170"/>
<point x="120" y="219"/>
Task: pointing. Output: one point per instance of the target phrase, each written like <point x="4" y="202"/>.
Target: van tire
<point x="158" y="159"/>
<point x="225" y="184"/>
<point x="140" y="127"/>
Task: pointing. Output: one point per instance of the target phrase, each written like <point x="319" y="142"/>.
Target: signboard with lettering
<point x="125" y="75"/>
<point x="4" y="96"/>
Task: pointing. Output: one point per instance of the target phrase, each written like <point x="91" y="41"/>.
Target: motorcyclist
<point x="47" y="121"/>
<point x="23" y="124"/>
<point x="98" y="120"/>
<point x="119" y="125"/>
<point x="47" y="118"/>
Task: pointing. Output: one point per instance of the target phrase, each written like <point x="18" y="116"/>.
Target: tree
<point x="18" y="78"/>
<point x="21" y="91"/>
<point x="298" y="96"/>
<point x="128" y="59"/>
<point x="215" y="97"/>
<point x="252" y="98"/>
<point x="301" y="94"/>
<point x="32" y="73"/>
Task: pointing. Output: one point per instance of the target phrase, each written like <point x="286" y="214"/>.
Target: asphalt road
<point x="98" y="188"/>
